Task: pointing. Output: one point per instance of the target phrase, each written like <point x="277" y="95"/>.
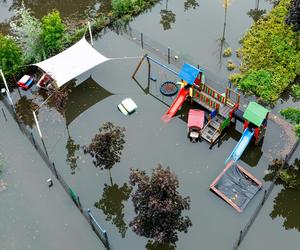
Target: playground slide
<point x="241" y="146"/>
<point x="175" y="105"/>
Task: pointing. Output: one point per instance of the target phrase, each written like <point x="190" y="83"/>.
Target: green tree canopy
<point x="10" y="56"/>
<point x="53" y="34"/>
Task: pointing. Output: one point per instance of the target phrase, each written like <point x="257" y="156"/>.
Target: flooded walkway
<point x="32" y="215"/>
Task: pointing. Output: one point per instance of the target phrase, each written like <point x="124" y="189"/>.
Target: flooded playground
<point x="93" y="100"/>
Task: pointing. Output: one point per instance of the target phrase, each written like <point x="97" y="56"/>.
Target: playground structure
<point x="195" y="124"/>
<point x="236" y="186"/>
<point x="220" y="107"/>
<point x="255" y="122"/>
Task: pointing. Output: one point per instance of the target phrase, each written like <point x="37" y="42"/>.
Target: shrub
<point x="296" y="91"/>
<point x="122" y="7"/>
<point x="231" y="65"/>
<point x="292" y="114"/>
<point x="227" y="52"/>
<point x="53" y="33"/>
<point x="10" y="56"/>
<point x="270" y="45"/>
<point x="27" y="32"/>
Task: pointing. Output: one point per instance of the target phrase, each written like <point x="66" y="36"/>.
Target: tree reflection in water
<point x="287" y="202"/>
<point x="256" y="13"/>
<point x="155" y="246"/>
<point x="72" y="148"/>
<point x="167" y="17"/>
<point x="112" y="205"/>
<point x="24" y="109"/>
<point x="287" y="206"/>
<point x="190" y="4"/>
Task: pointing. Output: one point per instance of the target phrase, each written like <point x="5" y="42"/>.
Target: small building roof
<point x="189" y="73"/>
<point x="72" y="62"/>
<point x="255" y="113"/>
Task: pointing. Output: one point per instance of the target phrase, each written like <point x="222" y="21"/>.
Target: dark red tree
<point x="158" y="206"/>
<point x="106" y="146"/>
<point x="293" y="17"/>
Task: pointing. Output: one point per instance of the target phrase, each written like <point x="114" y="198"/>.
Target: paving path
<point x="32" y="215"/>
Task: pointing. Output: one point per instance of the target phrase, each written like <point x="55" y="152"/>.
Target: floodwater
<point x="93" y="98"/>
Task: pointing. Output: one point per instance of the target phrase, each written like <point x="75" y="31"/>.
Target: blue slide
<point x="241" y="146"/>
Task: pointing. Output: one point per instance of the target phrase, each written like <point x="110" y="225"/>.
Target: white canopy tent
<point x="72" y="62"/>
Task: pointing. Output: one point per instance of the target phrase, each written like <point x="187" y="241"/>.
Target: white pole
<point x="6" y="87"/>
<point x="90" y="30"/>
<point x="37" y="124"/>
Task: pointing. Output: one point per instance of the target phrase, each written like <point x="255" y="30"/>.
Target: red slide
<point x="175" y="105"/>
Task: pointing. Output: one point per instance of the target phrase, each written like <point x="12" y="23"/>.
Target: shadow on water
<point x="82" y="97"/>
<point x="112" y="205"/>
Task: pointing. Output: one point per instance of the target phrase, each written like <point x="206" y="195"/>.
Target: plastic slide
<point x="175" y="105"/>
<point x="241" y="145"/>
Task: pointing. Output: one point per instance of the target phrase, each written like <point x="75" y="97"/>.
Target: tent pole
<point x="90" y="30"/>
<point x="37" y="124"/>
<point x="6" y="87"/>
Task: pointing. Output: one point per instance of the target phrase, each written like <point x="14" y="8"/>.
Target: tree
<point x="53" y="33"/>
<point x="158" y="206"/>
<point x="106" y="146"/>
<point x="10" y="56"/>
<point x="293" y="17"/>
<point x="59" y="99"/>
<point x="27" y="32"/>
<point x="112" y="205"/>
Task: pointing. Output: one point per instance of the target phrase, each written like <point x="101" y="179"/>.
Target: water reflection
<point x="256" y="13"/>
<point x="24" y="108"/>
<point x="156" y="246"/>
<point x="190" y="4"/>
<point x="167" y="17"/>
<point x="287" y="202"/>
<point x="72" y="148"/>
<point x="287" y="206"/>
<point x="67" y="8"/>
<point x="222" y="40"/>
<point x="112" y="205"/>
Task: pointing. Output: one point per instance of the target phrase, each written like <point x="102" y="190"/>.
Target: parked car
<point x="25" y="82"/>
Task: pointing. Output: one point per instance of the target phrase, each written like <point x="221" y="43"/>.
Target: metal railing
<point x="267" y="192"/>
<point x="102" y="234"/>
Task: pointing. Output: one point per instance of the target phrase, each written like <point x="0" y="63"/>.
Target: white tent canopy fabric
<point x="72" y="62"/>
